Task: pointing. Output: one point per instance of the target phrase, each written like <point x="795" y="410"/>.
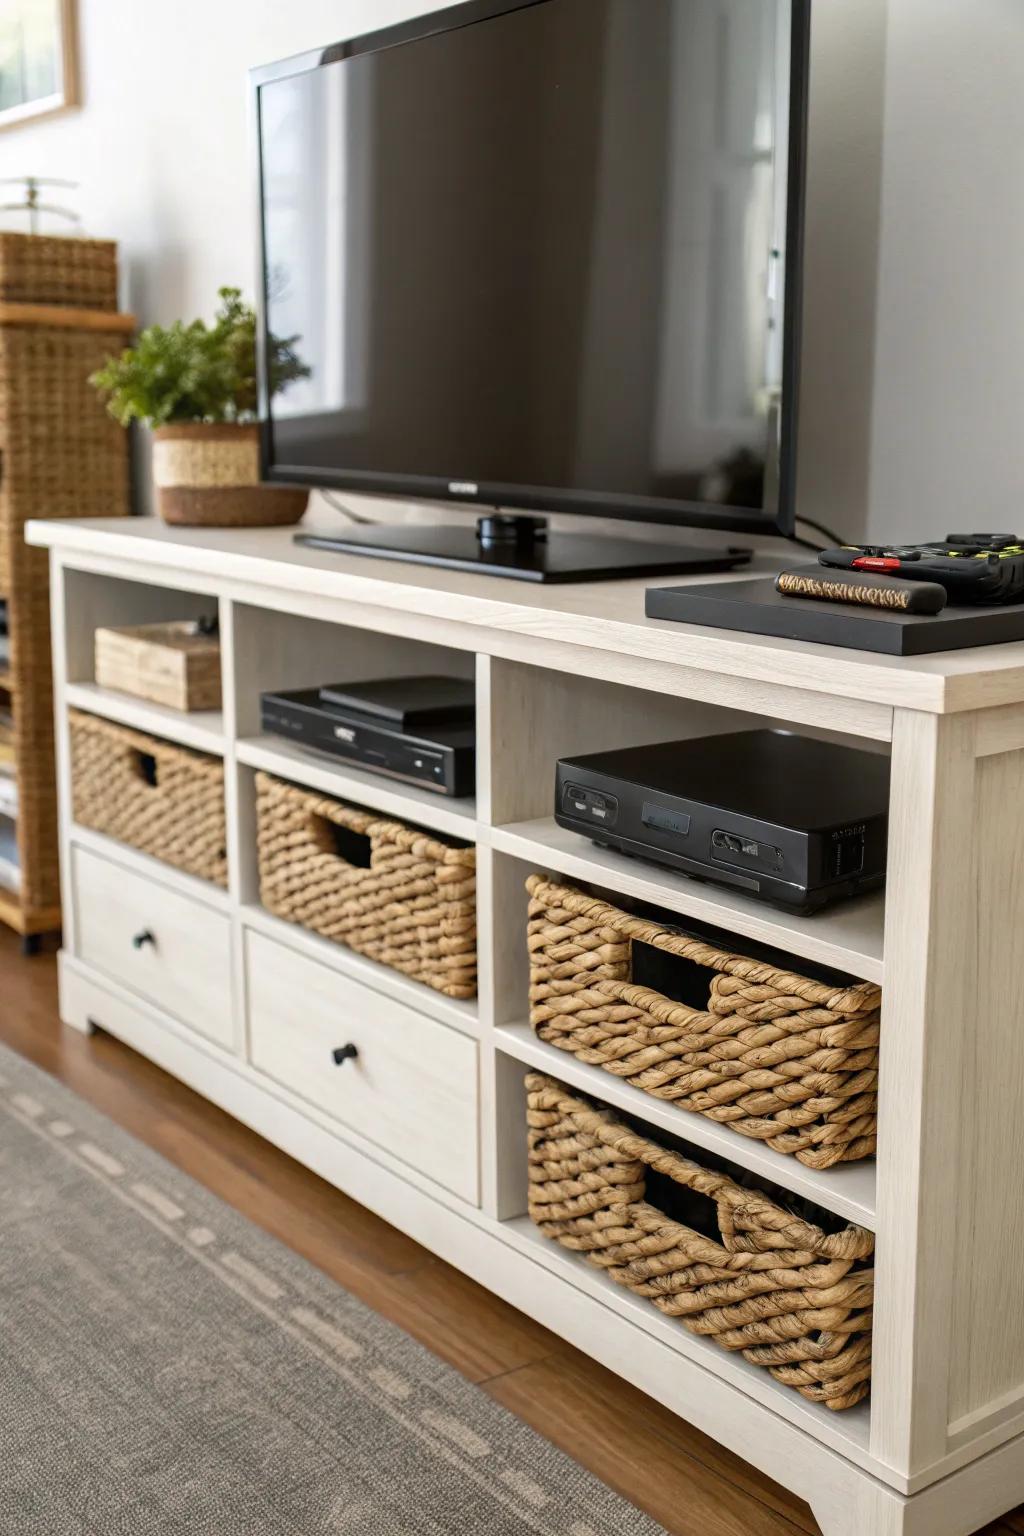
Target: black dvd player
<point x="785" y="818"/>
<point x="383" y="734"/>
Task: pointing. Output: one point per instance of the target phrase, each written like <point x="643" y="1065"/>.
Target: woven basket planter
<point x="55" y="269"/>
<point x="774" y="1055"/>
<point x="162" y="799"/>
<point x="207" y="474"/>
<point x="394" y="893"/>
<point x="780" y="1290"/>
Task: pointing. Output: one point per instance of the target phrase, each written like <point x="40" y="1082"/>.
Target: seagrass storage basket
<point x="165" y="800"/>
<point x="397" y="894"/>
<point x="777" y="1056"/>
<point x="58" y="269"/>
<point x="729" y="1262"/>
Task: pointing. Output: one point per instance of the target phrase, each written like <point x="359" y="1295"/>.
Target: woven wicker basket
<point x="776" y="1287"/>
<point x="394" y="893"/>
<point x="776" y="1056"/>
<point x="56" y="269"/>
<point x="162" y="799"/>
<point x="63" y="456"/>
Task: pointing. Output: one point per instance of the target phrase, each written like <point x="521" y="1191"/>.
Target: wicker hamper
<point x="774" y="1286"/>
<point x="162" y="799"/>
<point x="58" y="269"/>
<point x="778" y="1057"/>
<point x="62" y="456"/>
<point x="396" y="894"/>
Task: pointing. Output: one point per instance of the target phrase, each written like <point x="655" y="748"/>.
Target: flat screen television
<point x="541" y="256"/>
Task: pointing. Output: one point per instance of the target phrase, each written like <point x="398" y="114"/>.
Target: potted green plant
<point x="195" y="386"/>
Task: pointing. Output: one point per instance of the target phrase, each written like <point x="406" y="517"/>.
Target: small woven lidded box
<point x="165" y="800"/>
<point x="58" y="269"/>
<point x="774" y="1055"/>
<point x="176" y="664"/>
<point x="397" y="894"/>
<point x="730" y="1263"/>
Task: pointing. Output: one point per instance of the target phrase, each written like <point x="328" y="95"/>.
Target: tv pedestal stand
<point x="521" y="547"/>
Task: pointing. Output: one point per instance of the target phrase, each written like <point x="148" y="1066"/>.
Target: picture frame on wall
<point x="38" y="59"/>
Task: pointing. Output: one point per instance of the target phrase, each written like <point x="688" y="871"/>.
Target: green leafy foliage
<point x="196" y="372"/>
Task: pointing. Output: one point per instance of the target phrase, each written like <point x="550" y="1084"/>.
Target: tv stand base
<point x="522" y="549"/>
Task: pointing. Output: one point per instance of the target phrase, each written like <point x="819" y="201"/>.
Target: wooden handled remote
<point x="863" y="590"/>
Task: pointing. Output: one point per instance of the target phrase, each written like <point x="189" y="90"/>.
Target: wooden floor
<point x="683" y="1480"/>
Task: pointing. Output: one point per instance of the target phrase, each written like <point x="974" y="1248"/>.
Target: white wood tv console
<point x="244" y="1007"/>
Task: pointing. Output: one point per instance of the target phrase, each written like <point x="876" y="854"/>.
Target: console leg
<point x="870" y="1510"/>
<point x="85" y="1026"/>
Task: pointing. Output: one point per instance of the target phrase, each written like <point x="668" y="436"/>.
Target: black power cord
<point x="345" y="511"/>
<point x="834" y="539"/>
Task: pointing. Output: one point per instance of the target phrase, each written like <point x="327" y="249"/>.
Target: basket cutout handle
<point x="352" y="848"/>
<point x="672" y="976"/>
<point x="145" y="767"/>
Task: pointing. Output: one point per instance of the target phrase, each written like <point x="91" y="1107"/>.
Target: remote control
<point x="863" y="590"/>
<point x="973" y="567"/>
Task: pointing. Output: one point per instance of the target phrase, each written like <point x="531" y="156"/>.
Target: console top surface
<point x="481" y="612"/>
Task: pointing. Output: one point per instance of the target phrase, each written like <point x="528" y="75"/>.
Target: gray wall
<point x="914" y="323"/>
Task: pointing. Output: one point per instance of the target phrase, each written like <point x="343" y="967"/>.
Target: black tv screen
<point x="541" y="255"/>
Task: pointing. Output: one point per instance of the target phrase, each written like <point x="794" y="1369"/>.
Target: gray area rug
<point x="166" y="1367"/>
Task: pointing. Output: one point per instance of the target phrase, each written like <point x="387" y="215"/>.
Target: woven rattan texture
<point x="773" y="1286"/>
<point x="162" y="799"/>
<point x="834" y="589"/>
<point x="62" y="456"/>
<point x="410" y="905"/>
<point x="775" y="1056"/>
<point x="218" y="460"/>
<point x="50" y="269"/>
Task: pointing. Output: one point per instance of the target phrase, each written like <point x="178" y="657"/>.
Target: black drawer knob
<point x="343" y="1053"/>
<point x="143" y="938"/>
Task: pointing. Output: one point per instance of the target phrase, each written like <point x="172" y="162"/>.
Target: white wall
<point x="948" y="407"/>
<point x="161" y="151"/>
<point x="161" y="145"/>
<point x="841" y="259"/>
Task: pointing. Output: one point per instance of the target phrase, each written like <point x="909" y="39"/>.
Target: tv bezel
<point x="463" y="489"/>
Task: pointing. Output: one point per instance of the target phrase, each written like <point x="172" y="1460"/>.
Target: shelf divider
<point x="847" y="937"/>
<point x="202" y="730"/>
<point x="848" y="1189"/>
<point x="333" y="777"/>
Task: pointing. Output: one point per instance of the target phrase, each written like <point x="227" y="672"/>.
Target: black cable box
<point x="390" y="732"/>
<point x="406" y="703"/>
<point x="785" y="818"/>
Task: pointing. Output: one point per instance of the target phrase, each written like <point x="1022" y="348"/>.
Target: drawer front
<point x="412" y="1086"/>
<point x="170" y="949"/>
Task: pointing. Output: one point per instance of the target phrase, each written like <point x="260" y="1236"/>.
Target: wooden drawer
<point x="412" y="1087"/>
<point x="174" y="951"/>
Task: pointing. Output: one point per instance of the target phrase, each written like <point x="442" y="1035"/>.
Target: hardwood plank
<point x="622" y="1401"/>
<point x="564" y="1400"/>
<point x="465" y="1324"/>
